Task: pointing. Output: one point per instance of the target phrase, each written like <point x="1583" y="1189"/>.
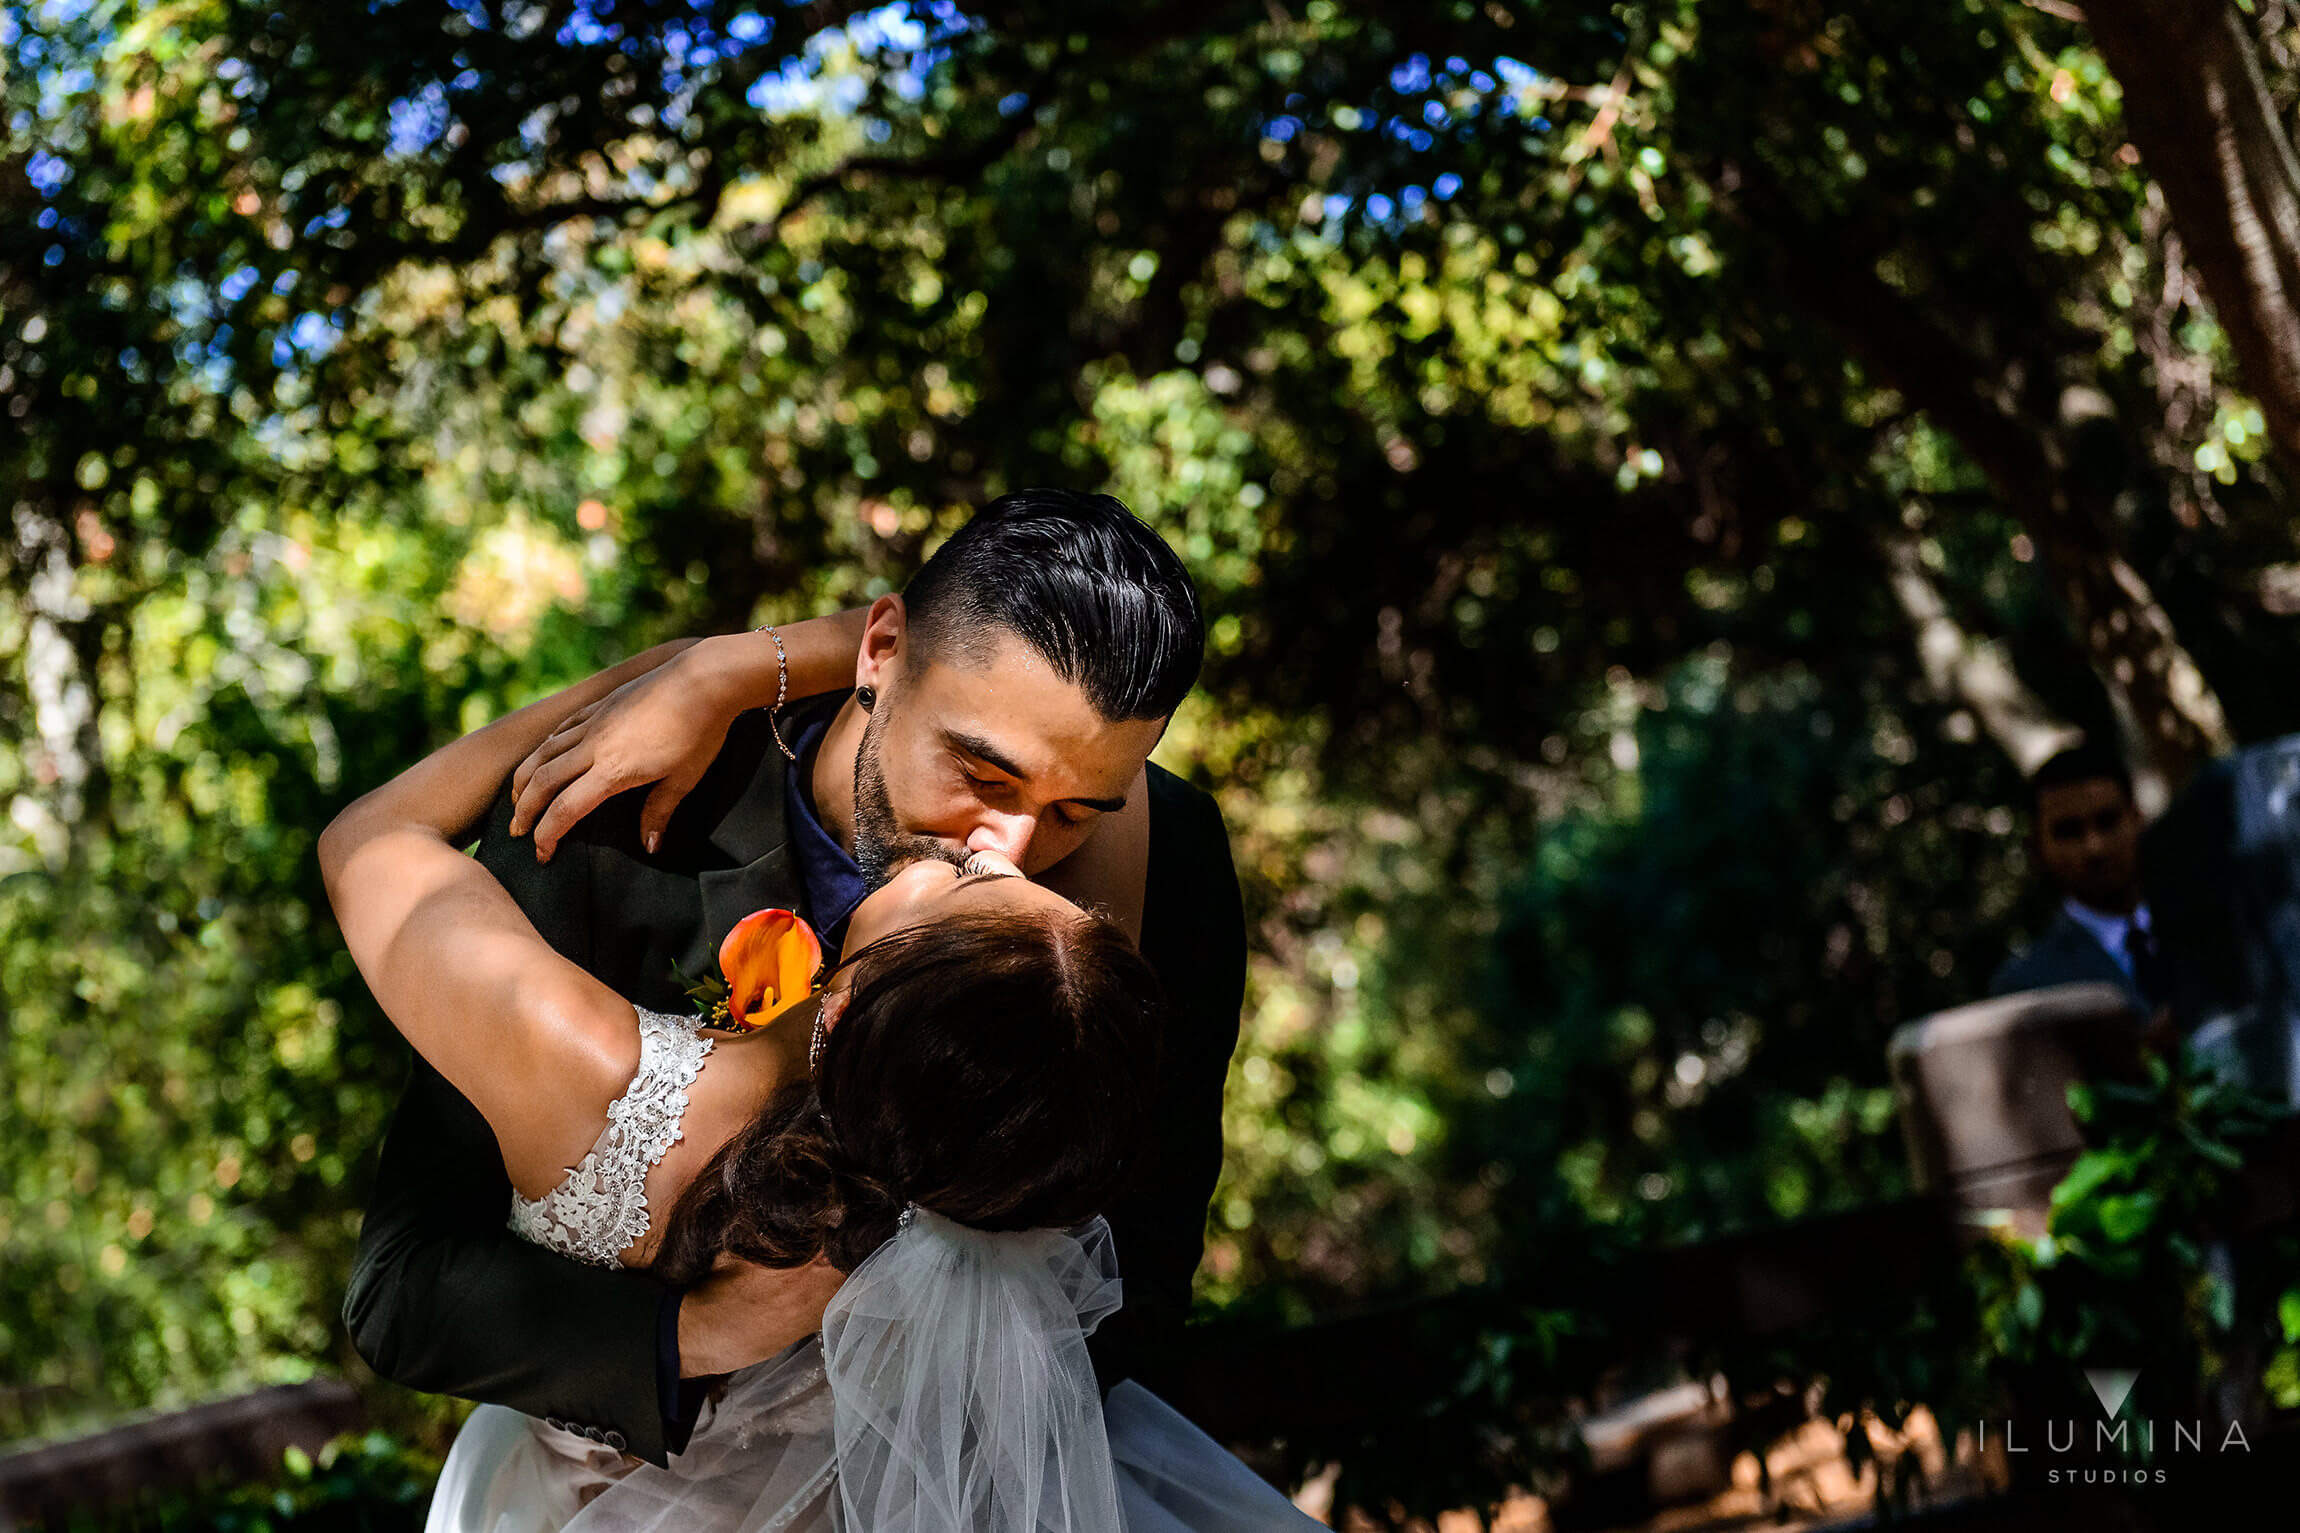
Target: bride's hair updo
<point x="996" y="1068"/>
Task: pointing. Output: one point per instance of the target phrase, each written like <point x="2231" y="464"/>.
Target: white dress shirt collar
<point x="2107" y="928"/>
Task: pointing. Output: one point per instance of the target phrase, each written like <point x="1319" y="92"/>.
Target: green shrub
<point x="369" y="1484"/>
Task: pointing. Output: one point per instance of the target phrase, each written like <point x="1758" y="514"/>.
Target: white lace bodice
<point x="601" y="1207"/>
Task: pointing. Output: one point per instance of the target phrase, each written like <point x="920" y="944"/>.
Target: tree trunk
<point x="2032" y="442"/>
<point x="2197" y="106"/>
<point x="62" y="640"/>
<point x="1972" y="668"/>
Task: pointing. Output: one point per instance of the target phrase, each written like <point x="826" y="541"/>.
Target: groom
<point x="1022" y="680"/>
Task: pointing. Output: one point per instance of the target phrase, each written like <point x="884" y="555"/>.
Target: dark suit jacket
<point x="444" y="1298"/>
<point x="2066" y="954"/>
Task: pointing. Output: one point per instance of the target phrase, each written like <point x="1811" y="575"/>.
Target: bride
<point x="941" y="1124"/>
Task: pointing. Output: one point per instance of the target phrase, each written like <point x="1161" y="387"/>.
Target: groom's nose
<point x="1006" y="834"/>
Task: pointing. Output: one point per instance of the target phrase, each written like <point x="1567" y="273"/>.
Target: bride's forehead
<point x="947" y="881"/>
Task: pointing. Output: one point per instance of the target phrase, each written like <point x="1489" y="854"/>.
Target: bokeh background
<point x="1657" y="473"/>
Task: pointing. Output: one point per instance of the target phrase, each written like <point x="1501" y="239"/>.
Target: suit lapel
<point x="2085" y="956"/>
<point x="755" y="824"/>
<point x="729" y="894"/>
<point x="753" y="835"/>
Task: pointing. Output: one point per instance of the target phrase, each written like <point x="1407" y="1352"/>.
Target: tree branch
<point x="945" y="167"/>
<point x="2038" y="466"/>
<point x="1972" y="669"/>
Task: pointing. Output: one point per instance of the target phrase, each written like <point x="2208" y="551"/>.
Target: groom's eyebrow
<point x="990" y="755"/>
<point x="983" y="751"/>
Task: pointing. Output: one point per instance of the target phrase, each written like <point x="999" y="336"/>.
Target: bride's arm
<point x="666" y="727"/>
<point x="441" y="943"/>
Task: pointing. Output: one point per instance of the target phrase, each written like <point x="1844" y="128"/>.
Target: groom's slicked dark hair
<point x="1081" y="580"/>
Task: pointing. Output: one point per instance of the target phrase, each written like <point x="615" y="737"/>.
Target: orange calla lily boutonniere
<point x="770" y="960"/>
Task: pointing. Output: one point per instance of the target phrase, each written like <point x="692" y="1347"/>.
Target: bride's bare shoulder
<point x="738" y="1077"/>
<point x="573" y="1033"/>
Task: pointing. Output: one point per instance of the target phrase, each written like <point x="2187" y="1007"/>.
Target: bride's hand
<point x="666" y="726"/>
<point x="663" y="728"/>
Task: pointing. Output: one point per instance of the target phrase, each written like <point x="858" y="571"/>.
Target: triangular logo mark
<point x="2110" y="1386"/>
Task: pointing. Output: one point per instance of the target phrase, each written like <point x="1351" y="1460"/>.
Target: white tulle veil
<point x="962" y="1394"/>
<point x="949" y="1392"/>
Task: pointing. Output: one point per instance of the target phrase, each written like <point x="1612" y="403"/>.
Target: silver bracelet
<point x="782" y="689"/>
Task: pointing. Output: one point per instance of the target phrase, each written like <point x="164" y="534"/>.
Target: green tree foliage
<point x="1653" y="470"/>
<point x="1697" y="979"/>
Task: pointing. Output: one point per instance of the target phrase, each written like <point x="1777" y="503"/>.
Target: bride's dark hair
<point x="996" y="1068"/>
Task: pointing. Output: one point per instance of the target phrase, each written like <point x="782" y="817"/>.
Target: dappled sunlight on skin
<point x="987" y="749"/>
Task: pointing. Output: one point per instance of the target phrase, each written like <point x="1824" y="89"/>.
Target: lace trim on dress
<point x="601" y="1208"/>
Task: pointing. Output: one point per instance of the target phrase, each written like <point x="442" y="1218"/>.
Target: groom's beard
<point x="881" y="845"/>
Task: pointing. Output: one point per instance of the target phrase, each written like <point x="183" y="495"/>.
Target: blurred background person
<point x="2086" y="832"/>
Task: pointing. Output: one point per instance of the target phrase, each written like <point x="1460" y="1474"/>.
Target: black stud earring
<point x="868" y="697"/>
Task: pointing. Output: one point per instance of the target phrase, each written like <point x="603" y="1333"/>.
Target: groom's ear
<point x="885" y="644"/>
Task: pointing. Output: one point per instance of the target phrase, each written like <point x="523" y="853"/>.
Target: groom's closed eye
<point x="973" y="755"/>
<point x="1070" y="811"/>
